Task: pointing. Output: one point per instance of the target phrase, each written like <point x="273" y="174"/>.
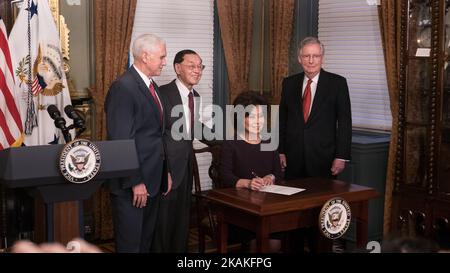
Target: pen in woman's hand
<point x="259" y="178"/>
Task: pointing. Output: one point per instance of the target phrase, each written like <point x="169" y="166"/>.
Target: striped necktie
<point x="307" y="100"/>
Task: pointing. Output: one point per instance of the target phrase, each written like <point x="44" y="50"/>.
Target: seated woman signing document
<point x="244" y="163"/>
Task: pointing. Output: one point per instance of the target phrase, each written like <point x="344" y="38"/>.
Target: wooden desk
<point x="265" y="213"/>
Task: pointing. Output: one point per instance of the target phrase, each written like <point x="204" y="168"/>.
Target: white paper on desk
<point x="281" y="189"/>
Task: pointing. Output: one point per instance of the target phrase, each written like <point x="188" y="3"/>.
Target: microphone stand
<point x="77" y="132"/>
<point x="61" y="124"/>
<point x="66" y="134"/>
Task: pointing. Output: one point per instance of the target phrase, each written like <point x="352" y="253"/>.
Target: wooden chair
<point x="206" y="220"/>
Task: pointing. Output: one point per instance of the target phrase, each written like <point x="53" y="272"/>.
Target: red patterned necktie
<point x="307" y="100"/>
<point x="191" y="110"/>
<point x="155" y="98"/>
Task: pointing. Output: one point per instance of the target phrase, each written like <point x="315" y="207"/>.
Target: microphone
<point x="77" y="120"/>
<point x="56" y="115"/>
<point x="60" y="122"/>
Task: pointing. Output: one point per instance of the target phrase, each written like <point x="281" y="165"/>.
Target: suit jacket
<point x="327" y="133"/>
<point x="131" y="113"/>
<point x="179" y="152"/>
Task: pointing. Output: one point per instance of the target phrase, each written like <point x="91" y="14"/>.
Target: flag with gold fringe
<point x="40" y="79"/>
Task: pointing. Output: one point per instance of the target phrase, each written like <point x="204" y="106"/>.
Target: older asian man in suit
<point x="182" y="104"/>
<point x="134" y="110"/>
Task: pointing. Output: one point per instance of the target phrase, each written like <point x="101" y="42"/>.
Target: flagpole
<point x="31" y="120"/>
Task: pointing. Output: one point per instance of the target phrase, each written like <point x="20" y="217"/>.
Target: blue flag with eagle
<point x="40" y="79"/>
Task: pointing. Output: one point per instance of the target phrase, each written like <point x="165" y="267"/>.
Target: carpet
<point x="108" y="246"/>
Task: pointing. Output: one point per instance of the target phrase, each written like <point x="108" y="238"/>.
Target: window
<point x="351" y="34"/>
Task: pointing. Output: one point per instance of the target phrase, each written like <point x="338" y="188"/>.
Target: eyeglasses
<point x="193" y="67"/>
<point x="314" y="57"/>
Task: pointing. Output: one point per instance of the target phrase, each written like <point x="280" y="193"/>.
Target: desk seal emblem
<point x="334" y="218"/>
<point x="79" y="161"/>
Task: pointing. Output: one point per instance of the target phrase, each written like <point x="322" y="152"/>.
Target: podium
<point x="36" y="168"/>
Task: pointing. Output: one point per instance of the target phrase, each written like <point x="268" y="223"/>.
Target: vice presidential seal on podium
<point x="80" y="161"/>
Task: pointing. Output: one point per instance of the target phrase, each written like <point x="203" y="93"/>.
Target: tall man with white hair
<point x="134" y="110"/>
<point x="315" y="118"/>
<point x="315" y="122"/>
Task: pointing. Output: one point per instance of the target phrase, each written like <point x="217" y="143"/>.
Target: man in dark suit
<point x="315" y="118"/>
<point x="182" y="116"/>
<point x="134" y="111"/>
<point x="315" y="125"/>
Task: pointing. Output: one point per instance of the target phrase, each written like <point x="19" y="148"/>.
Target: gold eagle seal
<point x="79" y="161"/>
<point x="334" y="218"/>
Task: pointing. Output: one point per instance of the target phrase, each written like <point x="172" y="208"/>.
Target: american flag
<point x="36" y="87"/>
<point x="10" y="122"/>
